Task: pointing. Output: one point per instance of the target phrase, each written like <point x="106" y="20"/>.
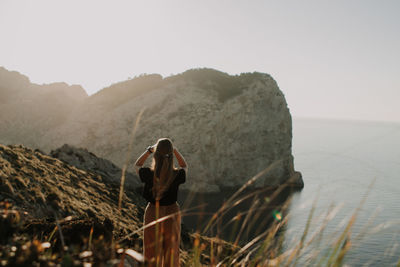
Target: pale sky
<point x="332" y="59"/>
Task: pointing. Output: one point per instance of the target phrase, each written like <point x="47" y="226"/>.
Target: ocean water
<point x="348" y="165"/>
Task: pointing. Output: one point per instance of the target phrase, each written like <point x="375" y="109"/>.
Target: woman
<point x="162" y="180"/>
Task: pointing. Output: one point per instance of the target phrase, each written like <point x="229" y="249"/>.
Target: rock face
<point x="229" y="128"/>
<point x="85" y="160"/>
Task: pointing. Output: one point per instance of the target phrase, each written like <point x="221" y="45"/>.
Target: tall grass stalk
<point x="90" y="238"/>
<point x="61" y="234"/>
<point x="127" y="158"/>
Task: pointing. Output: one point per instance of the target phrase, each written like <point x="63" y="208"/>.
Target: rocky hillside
<point x="46" y="187"/>
<point x="28" y="111"/>
<point x="39" y="194"/>
<point x="229" y="128"/>
<point x="54" y="213"/>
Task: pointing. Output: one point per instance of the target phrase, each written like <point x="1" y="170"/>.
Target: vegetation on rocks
<point x="46" y="200"/>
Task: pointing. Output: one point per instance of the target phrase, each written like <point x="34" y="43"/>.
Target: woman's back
<point x="170" y="196"/>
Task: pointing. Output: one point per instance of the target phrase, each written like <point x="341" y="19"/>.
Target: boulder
<point x="85" y="160"/>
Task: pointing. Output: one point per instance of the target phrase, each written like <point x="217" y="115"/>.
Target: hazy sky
<point x="334" y="59"/>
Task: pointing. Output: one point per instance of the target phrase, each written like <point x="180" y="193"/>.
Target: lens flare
<point x="277" y="215"/>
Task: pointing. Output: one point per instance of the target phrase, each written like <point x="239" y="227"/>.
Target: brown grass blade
<point x="127" y="158"/>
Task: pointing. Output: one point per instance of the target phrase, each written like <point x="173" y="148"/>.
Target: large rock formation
<point x="229" y="128"/>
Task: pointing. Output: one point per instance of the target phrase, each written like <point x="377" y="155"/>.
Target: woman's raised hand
<point x="151" y="149"/>
<point x="179" y="157"/>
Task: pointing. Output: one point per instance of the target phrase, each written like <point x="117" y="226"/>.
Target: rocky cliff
<point x="229" y="128"/>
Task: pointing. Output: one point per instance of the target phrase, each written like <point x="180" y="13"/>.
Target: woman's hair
<point x="163" y="167"/>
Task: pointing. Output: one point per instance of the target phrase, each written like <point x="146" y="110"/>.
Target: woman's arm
<point x="140" y="161"/>
<point x="181" y="160"/>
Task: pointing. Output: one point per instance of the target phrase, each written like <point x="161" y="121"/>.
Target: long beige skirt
<point x="161" y="240"/>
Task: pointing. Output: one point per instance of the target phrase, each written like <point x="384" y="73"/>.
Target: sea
<point x="351" y="172"/>
<point x="349" y="168"/>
